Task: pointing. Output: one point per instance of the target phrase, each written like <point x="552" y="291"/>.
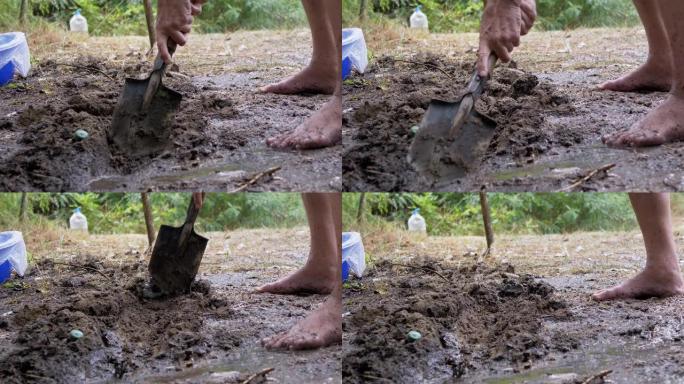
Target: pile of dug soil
<point x="122" y="332"/>
<point x="46" y="110"/>
<point x="393" y="95"/>
<point x="470" y="318"/>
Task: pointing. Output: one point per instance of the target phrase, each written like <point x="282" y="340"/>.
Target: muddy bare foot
<point x="307" y="280"/>
<point x="320" y="328"/>
<point x="662" y="125"/>
<point x="312" y="79"/>
<point x="646" y="284"/>
<point x="322" y="129"/>
<point x="650" y="77"/>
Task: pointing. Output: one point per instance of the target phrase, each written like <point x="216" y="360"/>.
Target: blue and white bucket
<point x="14" y="56"/>
<point x="12" y="254"/>
<point x="353" y="255"/>
<point x="354" y="51"/>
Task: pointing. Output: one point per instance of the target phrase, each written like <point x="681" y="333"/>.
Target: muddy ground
<point x="550" y="118"/>
<point x="217" y="138"/>
<point x="208" y="336"/>
<point x="492" y="323"/>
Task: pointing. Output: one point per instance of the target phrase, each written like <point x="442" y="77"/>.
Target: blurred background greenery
<point x="123" y="212"/>
<point x="514" y="213"/>
<point x="126" y="17"/>
<point x="464" y="15"/>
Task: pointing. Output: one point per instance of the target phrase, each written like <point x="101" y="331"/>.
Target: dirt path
<point x="550" y="118"/>
<point x="209" y="336"/>
<point x="218" y="137"/>
<point x="536" y="328"/>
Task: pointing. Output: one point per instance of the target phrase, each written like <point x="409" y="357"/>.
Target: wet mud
<point x="210" y="335"/>
<point x="216" y="140"/>
<point x="493" y="325"/>
<point x="470" y="319"/>
<point x="548" y="134"/>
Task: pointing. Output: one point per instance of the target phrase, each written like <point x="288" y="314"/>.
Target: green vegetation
<point x="127" y="17"/>
<point x="518" y="213"/>
<point x="123" y="212"/>
<point x="464" y="15"/>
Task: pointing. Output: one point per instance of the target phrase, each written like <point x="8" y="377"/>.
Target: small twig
<point x="87" y="68"/>
<point x="83" y="267"/>
<point x="423" y="268"/>
<point x="377" y="378"/>
<point x="263" y="372"/>
<point x="426" y="65"/>
<point x="586" y="178"/>
<point x="599" y="375"/>
<point x="253" y="180"/>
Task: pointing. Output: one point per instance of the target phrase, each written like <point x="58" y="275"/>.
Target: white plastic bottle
<point x="78" y="23"/>
<point x="78" y="221"/>
<point x="416" y="223"/>
<point x="419" y="20"/>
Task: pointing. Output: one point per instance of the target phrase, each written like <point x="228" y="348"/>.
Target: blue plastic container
<point x="346" y="68"/>
<point x="6" y="74"/>
<point x="5" y="271"/>
<point x="345" y="271"/>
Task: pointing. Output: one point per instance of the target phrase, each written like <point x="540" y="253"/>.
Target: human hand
<point x="197" y="6"/>
<point x="174" y="22"/>
<point x="503" y="22"/>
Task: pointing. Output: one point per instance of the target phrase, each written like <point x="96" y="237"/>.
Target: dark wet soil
<point x="208" y="336"/>
<point x="549" y="129"/>
<point x="491" y="325"/>
<point x="217" y="139"/>
<point x="470" y="318"/>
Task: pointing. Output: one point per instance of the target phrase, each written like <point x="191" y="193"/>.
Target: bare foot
<point x="308" y="280"/>
<point x="322" y="129"/>
<point x="650" y="77"/>
<point x="312" y="79"/>
<point x="654" y="282"/>
<point x="320" y="328"/>
<point x="662" y="125"/>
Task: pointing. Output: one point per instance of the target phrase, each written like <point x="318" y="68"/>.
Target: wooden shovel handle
<point x="156" y="77"/>
<point x="190" y="218"/>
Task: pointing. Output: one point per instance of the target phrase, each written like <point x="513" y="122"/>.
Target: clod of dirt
<point x="121" y="333"/>
<point x="479" y="316"/>
<point x="83" y="95"/>
<point x="392" y="96"/>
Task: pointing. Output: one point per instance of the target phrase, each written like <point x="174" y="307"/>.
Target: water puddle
<point x="249" y="360"/>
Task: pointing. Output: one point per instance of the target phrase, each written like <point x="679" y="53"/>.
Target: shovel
<point x="453" y="136"/>
<point x="177" y="255"/>
<point x="142" y="118"/>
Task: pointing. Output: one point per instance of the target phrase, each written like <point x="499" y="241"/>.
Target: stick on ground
<point x="586" y="178"/>
<point x="263" y="372"/>
<point x="257" y="177"/>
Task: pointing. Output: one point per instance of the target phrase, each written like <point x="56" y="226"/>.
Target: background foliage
<point x="464" y="15"/>
<point x="123" y="212"/>
<point x="117" y="17"/>
<point x="126" y="17"/>
<point x="518" y="213"/>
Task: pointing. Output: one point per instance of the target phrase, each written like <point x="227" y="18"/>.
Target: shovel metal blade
<point x="441" y="156"/>
<point x="171" y="269"/>
<point x="140" y="133"/>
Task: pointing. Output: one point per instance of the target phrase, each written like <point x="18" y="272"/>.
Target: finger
<point x="179" y="38"/>
<point x="502" y="53"/>
<point x="196" y="9"/>
<point x="525" y="25"/>
<point x="187" y="28"/>
<point x="483" y="60"/>
<point x="162" y="46"/>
